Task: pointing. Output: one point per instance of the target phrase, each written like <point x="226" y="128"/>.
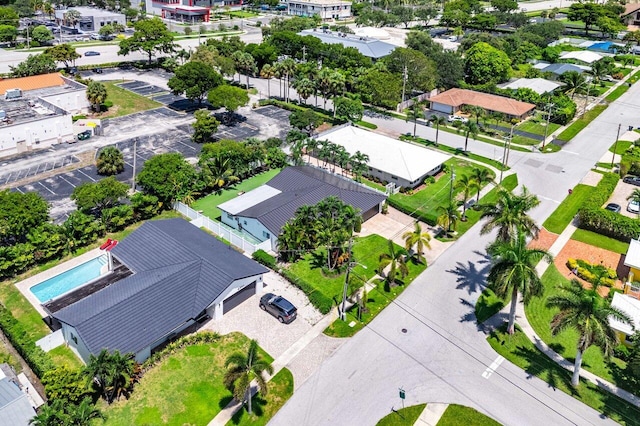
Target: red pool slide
<point x="112" y="245"/>
<point x="106" y="244"/>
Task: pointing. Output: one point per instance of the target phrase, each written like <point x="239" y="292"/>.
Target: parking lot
<point x="46" y="166"/>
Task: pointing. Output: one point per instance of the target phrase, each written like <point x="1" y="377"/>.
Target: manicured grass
<point x="519" y="350"/>
<point x="482" y="139"/>
<point x="209" y="204"/>
<point x="538" y="128"/>
<point x="62" y="355"/>
<point x="126" y="102"/>
<point x="523" y="140"/>
<point x="601" y="241"/>
<point x="366" y="124"/>
<point x="185" y="388"/>
<point x="569" y="207"/>
<point x="372" y="184"/>
<point x="550" y="147"/>
<point x="616" y="93"/>
<point x="280" y="389"/>
<point x="575" y="128"/>
<point x="456" y="415"/>
<point x="404" y="416"/>
<point x="621" y="147"/>
<point x="6" y="357"/>
<point x="488" y="305"/>
<point x="243" y="14"/>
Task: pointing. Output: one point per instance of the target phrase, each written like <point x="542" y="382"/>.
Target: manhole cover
<point x="404" y="330"/>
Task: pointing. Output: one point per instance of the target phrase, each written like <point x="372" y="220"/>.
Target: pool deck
<point x="26" y="284"/>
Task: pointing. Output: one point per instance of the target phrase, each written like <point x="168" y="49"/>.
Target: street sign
<point x="402" y="393"/>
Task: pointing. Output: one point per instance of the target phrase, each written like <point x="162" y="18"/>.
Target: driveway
<point x="619" y="196"/>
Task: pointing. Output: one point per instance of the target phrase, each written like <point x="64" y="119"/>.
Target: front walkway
<point x="431" y="414"/>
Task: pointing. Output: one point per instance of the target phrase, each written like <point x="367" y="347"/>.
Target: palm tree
<point x="469" y="128"/>
<point x="110" y="161"/>
<point x="50" y="414"/>
<point x="513" y="271"/>
<point x="110" y="372"/>
<point x="304" y="87"/>
<point x="574" y="82"/>
<point x="509" y="215"/>
<point x="96" y="94"/>
<point x="72" y="17"/>
<point x="414" y="113"/>
<point x="84" y="413"/>
<point x="218" y="172"/>
<point x="477" y="112"/>
<point x="448" y="218"/>
<point x="598" y="70"/>
<point x="481" y="176"/>
<point x="417" y="238"/>
<point x="268" y="72"/>
<point x="244" y="63"/>
<point x="589" y="314"/>
<point x="635" y="197"/>
<point x="394" y="259"/>
<point x="466" y="184"/>
<point x="358" y="163"/>
<point x="437" y="120"/>
<point x="242" y="369"/>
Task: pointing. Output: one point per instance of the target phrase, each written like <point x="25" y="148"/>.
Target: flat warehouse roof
<point x="402" y="159"/>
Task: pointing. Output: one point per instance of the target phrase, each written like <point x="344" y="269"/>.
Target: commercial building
<point x="368" y="46"/>
<point x="91" y="18"/>
<point x="453" y="100"/>
<point x="325" y="9"/>
<point x="35" y="112"/>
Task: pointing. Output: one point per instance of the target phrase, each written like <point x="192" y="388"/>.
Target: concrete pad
<point x="630" y="136"/>
<point x="591" y="178"/>
<point x="431" y="414"/>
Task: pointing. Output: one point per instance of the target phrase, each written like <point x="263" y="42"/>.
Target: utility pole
<point x="505" y="153"/>
<point x="615" y="146"/>
<point x="133" y="181"/>
<point x="404" y="81"/>
<point x="509" y="143"/>
<point x="304" y="53"/>
<point x="453" y="178"/>
<point x="586" y="99"/>
<point x="546" y="129"/>
<point x="351" y="264"/>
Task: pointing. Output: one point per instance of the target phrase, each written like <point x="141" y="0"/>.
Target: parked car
<point x="454" y="118"/>
<point x="91" y="53"/>
<point x="634" y="206"/>
<point x="613" y="207"/>
<point x="279" y="307"/>
<point x="83" y="136"/>
<point x="633" y="180"/>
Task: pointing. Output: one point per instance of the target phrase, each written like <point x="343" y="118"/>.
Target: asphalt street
<point x="443" y="356"/>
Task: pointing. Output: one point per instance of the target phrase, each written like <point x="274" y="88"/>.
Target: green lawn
<point x="575" y="128"/>
<point x="62" y="355"/>
<point x="523" y="140"/>
<point x="569" y="207"/>
<point x="621" y="147"/>
<point x="519" y="350"/>
<point x="126" y="102"/>
<point x="185" y="388"/>
<point x="404" y="416"/>
<point x="209" y="204"/>
<point x="488" y="305"/>
<point x="616" y="93"/>
<point x="538" y="128"/>
<point x="601" y="241"/>
<point x="456" y="415"/>
<point x="482" y="139"/>
<point x="280" y="389"/>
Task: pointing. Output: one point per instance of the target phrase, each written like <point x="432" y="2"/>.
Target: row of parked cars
<point x="633" y="206"/>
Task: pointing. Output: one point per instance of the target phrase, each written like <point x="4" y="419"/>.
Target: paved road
<point x="443" y="356"/>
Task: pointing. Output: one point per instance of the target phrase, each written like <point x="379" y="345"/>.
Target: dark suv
<point x="279" y="307"/>
<point x="633" y="180"/>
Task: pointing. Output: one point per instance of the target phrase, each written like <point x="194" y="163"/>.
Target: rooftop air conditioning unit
<point x="13" y="94"/>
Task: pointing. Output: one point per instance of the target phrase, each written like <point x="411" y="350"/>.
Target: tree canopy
<point x="19" y="213"/>
<point x="486" y="64"/>
<point x="151" y="36"/>
<point x="96" y="196"/>
<point x="228" y="97"/>
<point x="33" y="65"/>
<point x="195" y="79"/>
<point x="167" y="176"/>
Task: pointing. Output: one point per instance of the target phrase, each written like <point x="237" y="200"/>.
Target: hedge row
<point x="265" y="258"/>
<point x="38" y="360"/>
<point x="294" y="106"/>
<point x="184" y="341"/>
<point x="317" y="299"/>
<point x="594" y="218"/>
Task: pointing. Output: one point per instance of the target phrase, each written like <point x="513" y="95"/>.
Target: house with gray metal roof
<point x="15" y="408"/>
<point x="369" y="47"/>
<point x="181" y="276"/>
<point x="263" y="211"/>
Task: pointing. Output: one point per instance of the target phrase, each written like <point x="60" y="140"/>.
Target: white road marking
<point x="571" y="152"/>
<point x="42" y="185"/>
<point x="493" y="367"/>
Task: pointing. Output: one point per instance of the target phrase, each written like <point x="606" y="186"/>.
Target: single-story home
<point x="582" y="55"/>
<point x="181" y="276"/>
<point x="263" y="211"/>
<point x="632" y="260"/>
<point x="453" y="100"/>
<point x="368" y="46"/>
<point x="390" y="160"/>
<point x="631" y="306"/>
<point x="538" y="85"/>
<point x="557" y="69"/>
<point x="15" y="408"/>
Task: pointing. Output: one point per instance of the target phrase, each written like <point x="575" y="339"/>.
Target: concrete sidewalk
<point x="431" y="414"/>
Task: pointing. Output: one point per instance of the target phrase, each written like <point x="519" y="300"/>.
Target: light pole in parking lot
<point x="133" y="181"/>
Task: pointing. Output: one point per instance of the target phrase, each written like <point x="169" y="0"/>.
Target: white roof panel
<point x="632" y="258"/>
<point x="538" y="85"/>
<point x="402" y="159"/>
<point x="582" y="55"/>
<point x="249" y="199"/>
<point x="631" y="307"/>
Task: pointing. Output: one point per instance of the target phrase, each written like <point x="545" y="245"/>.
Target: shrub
<point x="317" y="299"/>
<point x="78" y="117"/>
<point x="171" y="348"/>
<point x="187" y="31"/>
<point x="265" y="258"/>
<point x="595" y="274"/>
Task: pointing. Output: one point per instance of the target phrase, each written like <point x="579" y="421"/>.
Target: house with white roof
<point x="368" y="46"/>
<point x="582" y="56"/>
<point x="390" y="160"/>
<point x="538" y="85"/>
<point x="631" y="306"/>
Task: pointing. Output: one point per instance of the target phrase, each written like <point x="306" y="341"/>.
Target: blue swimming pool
<point x="69" y="280"/>
<point x="603" y="46"/>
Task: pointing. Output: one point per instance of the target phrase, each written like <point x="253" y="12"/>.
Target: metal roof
<point x="15" y="409"/>
<point x="305" y="185"/>
<point x="582" y="55"/>
<point x="538" y="85"/>
<point x="560" y="69"/>
<point x="248" y="199"/>
<point x="401" y="159"/>
<point x="632" y="258"/>
<point x="631" y="307"/>
<point x="369" y="47"/>
<point x="179" y="271"/>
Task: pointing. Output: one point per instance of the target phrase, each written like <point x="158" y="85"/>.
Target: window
<point x="266" y="234"/>
<point x="244" y="221"/>
<point x="74" y="338"/>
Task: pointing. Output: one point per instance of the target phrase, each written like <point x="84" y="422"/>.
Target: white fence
<point x="220" y="229"/>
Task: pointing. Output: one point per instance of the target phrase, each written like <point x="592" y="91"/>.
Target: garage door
<point x="238" y="298"/>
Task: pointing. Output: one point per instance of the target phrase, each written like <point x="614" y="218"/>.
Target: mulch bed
<point x="545" y="240"/>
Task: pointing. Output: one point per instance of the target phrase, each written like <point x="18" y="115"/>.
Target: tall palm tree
<point x="268" y="72"/>
<point x="415" y="112"/>
<point x="635" y="196"/>
<point x="513" y="271"/>
<point x="477" y="112"/>
<point x="304" y="87"/>
<point x="50" y="414"/>
<point x="96" y="94"/>
<point x="110" y="161"/>
<point x="242" y="369"/>
<point x="358" y="163"/>
<point x="110" y="372"/>
<point x="574" y="82"/>
<point x="84" y="413"/>
<point x="448" y="218"/>
<point x="481" y="176"/>
<point x="437" y="120"/>
<point x="588" y="313"/>
<point x="466" y="184"/>
<point x="417" y="238"/>
<point x="469" y="129"/>
<point x="509" y="214"/>
<point x="394" y="259"/>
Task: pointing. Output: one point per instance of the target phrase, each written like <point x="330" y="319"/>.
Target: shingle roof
<point x="179" y="271"/>
<point x="304" y="185"/>
<point x="369" y="47"/>
<point x="31" y="83"/>
<point x="458" y="97"/>
<point x="15" y="409"/>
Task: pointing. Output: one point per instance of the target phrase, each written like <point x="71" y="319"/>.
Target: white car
<point x="633" y="207"/>
<point x="453" y="118"/>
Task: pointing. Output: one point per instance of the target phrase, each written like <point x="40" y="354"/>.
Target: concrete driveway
<point x="619" y="196"/>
